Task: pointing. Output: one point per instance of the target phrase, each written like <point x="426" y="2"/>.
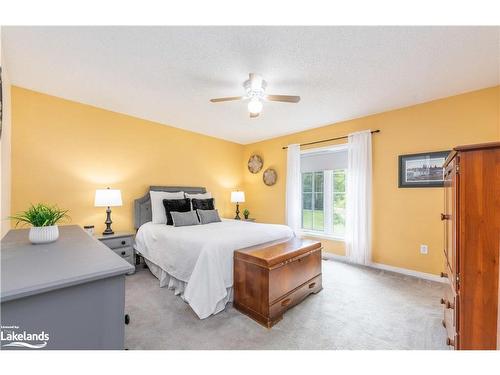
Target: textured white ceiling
<point x="168" y="74"/>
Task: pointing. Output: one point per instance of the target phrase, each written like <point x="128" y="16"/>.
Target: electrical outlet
<point x="424" y="249"/>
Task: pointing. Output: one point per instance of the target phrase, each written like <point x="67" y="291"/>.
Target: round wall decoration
<point x="270" y="176"/>
<point x="255" y="163"/>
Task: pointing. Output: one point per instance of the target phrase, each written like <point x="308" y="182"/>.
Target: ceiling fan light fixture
<point x="254" y="105"/>
<point x="256" y="82"/>
<point x="255" y="86"/>
<point x="255" y="92"/>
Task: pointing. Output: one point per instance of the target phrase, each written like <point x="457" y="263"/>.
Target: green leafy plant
<point x="40" y="215"/>
<point x="246" y="213"/>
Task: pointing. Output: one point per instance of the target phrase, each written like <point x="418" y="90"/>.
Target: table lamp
<point x="108" y="198"/>
<point x="237" y="197"/>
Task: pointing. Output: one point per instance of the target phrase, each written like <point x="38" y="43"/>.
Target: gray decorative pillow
<point x="182" y="219"/>
<point x="208" y="216"/>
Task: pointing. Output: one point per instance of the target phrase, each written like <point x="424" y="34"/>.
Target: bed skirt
<point x="178" y="286"/>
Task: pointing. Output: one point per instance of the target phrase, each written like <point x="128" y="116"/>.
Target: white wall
<point x="5" y="148"/>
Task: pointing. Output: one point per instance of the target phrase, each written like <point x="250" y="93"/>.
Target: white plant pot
<point x="39" y="235"/>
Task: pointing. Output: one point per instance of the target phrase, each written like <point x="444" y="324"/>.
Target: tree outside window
<point x="322" y="199"/>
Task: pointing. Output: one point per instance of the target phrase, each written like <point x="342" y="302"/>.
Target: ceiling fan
<point x="255" y="91"/>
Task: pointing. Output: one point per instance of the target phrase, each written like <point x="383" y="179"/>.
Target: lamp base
<point x="108" y="223"/>
<point x="237" y="217"/>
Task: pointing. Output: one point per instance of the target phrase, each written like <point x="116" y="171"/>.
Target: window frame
<point x="328" y="193"/>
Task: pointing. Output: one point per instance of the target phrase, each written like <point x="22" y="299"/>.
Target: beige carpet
<point x="358" y="308"/>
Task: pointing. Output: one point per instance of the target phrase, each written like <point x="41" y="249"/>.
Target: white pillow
<point x="206" y="195"/>
<point x="158" y="214"/>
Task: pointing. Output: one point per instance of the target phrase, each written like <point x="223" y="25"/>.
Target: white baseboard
<point x="405" y="271"/>
<point x="385" y="267"/>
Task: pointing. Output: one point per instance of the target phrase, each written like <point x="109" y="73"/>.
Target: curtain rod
<point x="328" y="140"/>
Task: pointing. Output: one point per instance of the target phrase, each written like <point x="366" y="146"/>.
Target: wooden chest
<point x="272" y="277"/>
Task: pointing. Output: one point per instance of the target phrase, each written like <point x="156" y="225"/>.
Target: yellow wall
<point x="402" y="218"/>
<point x="5" y="153"/>
<point x="62" y="151"/>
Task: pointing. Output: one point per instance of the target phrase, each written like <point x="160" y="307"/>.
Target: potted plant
<point x="246" y="213"/>
<point x="43" y="219"/>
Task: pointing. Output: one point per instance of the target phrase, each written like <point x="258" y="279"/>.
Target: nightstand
<point x="122" y="243"/>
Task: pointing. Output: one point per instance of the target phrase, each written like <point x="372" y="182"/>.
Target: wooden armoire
<point x="472" y="246"/>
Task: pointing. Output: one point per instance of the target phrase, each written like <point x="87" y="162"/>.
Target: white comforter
<point x="202" y="255"/>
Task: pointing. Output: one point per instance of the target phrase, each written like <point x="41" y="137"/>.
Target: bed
<point x="197" y="261"/>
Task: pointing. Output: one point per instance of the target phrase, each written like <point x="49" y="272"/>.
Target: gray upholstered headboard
<point x="142" y="206"/>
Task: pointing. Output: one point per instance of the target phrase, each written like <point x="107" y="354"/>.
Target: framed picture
<point x="422" y="170"/>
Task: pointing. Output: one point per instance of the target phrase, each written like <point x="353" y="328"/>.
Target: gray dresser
<point x="69" y="294"/>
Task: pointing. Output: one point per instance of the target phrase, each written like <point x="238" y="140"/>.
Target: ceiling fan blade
<point x="253" y="115"/>
<point x="229" y="98"/>
<point x="283" y="98"/>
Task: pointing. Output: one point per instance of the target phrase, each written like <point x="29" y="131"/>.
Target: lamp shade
<point x="237" y="197"/>
<point x="108" y="198"/>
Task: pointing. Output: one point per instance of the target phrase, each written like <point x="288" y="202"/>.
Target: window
<point x="339" y="177"/>
<point x="312" y="201"/>
<point x="323" y="192"/>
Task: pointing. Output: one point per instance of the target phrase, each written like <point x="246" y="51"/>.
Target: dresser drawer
<point x="124" y="251"/>
<point x="115" y="243"/>
<point x="293" y="273"/>
<point x="127" y="254"/>
<point x="293" y="298"/>
<point x="448" y="323"/>
<point x="448" y="273"/>
<point x="449" y="302"/>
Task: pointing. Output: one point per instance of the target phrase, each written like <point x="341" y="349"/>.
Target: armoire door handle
<point x="445" y="217"/>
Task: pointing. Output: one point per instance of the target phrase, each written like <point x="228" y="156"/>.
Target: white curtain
<point x="359" y="197"/>
<point x="293" y="183"/>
